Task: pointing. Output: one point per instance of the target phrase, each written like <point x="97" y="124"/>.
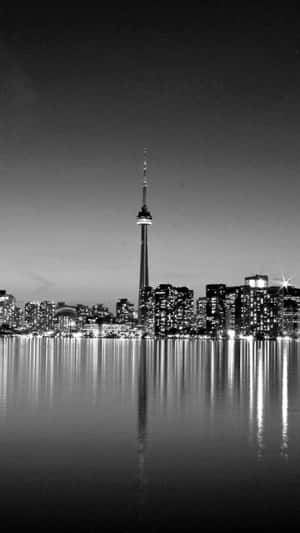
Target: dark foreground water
<point x="98" y="435"/>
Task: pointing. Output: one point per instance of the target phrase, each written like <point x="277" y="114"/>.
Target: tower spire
<point x="145" y="180"/>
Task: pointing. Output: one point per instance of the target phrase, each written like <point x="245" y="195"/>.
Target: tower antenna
<point x="145" y="181"/>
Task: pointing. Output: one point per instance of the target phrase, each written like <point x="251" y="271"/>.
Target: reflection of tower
<point x="142" y="417"/>
<point x="260" y="401"/>
<point x="144" y="219"/>
<point x="284" y="401"/>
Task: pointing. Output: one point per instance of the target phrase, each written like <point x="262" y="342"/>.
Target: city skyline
<point x="214" y="96"/>
<point x="150" y="373"/>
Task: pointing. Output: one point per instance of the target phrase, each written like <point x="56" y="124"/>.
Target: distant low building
<point x="125" y="313"/>
<point x="115" y="330"/>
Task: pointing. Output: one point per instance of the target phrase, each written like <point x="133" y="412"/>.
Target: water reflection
<point x="249" y="383"/>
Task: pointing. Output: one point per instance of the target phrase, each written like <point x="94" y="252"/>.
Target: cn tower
<point x="144" y="219"/>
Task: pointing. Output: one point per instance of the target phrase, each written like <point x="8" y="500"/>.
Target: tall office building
<point x="147" y="309"/>
<point x="233" y="304"/>
<point x="83" y="312"/>
<point x="261" y="308"/>
<point x="259" y="281"/>
<point x="46" y="315"/>
<point x="32" y="315"/>
<point x="173" y="310"/>
<point x="17" y="318"/>
<point x="164" y="303"/>
<point x="200" y="318"/>
<point x="144" y="219"/>
<point x="290" y="324"/>
<point x="215" y="309"/>
<point x="7" y="306"/>
<point x="183" y="310"/>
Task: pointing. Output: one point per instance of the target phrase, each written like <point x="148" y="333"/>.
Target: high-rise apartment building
<point x="32" y="315"/>
<point x="7" y="306"/>
<point x="215" y="309"/>
<point x="147" y="309"/>
<point x="200" y="315"/>
<point x="183" y="310"/>
<point x="46" y="315"/>
<point x="290" y="325"/>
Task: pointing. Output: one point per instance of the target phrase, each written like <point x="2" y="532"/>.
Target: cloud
<point x="44" y="285"/>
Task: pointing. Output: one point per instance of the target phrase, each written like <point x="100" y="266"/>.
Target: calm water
<point x="96" y="434"/>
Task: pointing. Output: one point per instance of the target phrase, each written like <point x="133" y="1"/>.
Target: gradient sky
<point x="214" y="95"/>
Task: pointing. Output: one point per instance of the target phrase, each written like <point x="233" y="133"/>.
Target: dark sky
<point x="214" y="93"/>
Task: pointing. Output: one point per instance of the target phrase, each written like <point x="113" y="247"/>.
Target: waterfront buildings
<point x="254" y="308"/>
<point x="251" y="309"/>
<point x="167" y="310"/>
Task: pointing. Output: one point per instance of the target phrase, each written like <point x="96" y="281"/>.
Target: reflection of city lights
<point x="251" y="387"/>
<point x="260" y="403"/>
<point x="284" y="403"/>
<point x="231" y="334"/>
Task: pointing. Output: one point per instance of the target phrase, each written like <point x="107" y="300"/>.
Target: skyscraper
<point x="144" y="219"/>
<point x="200" y="319"/>
<point x="215" y="309"/>
<point x="290" y="311"/>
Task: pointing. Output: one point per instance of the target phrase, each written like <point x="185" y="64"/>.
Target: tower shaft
<point x="144" y="266"/>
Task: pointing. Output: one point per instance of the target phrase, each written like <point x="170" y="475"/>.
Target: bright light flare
<point x="285" y="282"/>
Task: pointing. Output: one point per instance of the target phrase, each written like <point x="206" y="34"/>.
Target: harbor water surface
<point x="154" y="435"/>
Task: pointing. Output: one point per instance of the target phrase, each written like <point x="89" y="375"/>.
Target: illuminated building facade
<point x="183" y="310"/>
<point x="115" y="330"/>
<point x="164" y="300"/>
<point x="173" y="310"/>
<point x="66" y="318"/>
<point x="7" y="307"/>
<point x="260" y="308"/>
<point x="147" y="309"/>
<point x="17" y="318"/>
<point x="250" y="309"/>
<point x="125" y="313"/>
<point x="233" y="311"/>
<point x="101" y="313"/>
<point x="200" y="318"/>
<point x="259" y="281"/>
<point x="32" y="315"/>
<point x="46" y="315"/>
<point x="215" y="309"/>
<point x="290" y="311"/>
